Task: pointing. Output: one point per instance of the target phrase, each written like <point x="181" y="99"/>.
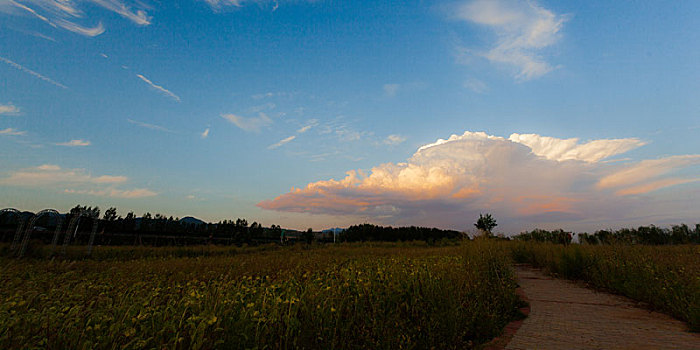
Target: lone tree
<point x="486" y="223"/>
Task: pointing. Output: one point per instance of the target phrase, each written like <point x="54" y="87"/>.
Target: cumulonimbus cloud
<point x="522" y="28"/>
<point x="521" y="178"/>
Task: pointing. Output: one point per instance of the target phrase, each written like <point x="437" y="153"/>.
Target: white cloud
<point x="523" y="29"/>
<point x="394" y="140"/>
<point x="391" y="89"/>
<point x="138" y="16"/>
<point x="570" y="149"/>
<point x="204" y="133"/>
<point x="31" y="72"/>
<point x="115" y="193"/>
<point x="447" y="183"/>
<point x="12" y="132"/>
<point x="149" y="126"/>
<point x="476" y="85"/>
<point x="75" y="28"/>
<point x="159" y="88"/>
<point x="49" y="174"/>
<point x="310" y="124"/>
<point x="249" y="124"/>
<point x="282" y="142"/>
<point x="81" y="181"/>
<point x="8" y="109"/>
<point x="218" y="5"/>
<point x="66" y="14"/>
<point x="74" y="143"/>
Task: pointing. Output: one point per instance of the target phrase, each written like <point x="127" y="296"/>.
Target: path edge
<point x="511" y="328"/>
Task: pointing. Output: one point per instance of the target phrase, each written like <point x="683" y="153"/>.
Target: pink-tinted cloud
<point x="80" y="181"/>
<point x="521" y="178"/>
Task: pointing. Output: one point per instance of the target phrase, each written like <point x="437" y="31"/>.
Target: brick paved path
<point x="564" y="315"/>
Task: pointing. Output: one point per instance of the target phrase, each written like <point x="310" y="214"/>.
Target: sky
<point x="577" y="115"/>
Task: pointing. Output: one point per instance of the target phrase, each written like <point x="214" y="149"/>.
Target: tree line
<point x="647" y="235"/>
<point x="369" y="232"/>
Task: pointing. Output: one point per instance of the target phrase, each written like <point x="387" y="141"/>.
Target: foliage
<point x="538" y="235"/>
<point x="485" y="223"/>
<point x="369" y="232"/>
<point x="651" y="235"/>
<point x="667" y="278"/>
<point x="344" y="297"/>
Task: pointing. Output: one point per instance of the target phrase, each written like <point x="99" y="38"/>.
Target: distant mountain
<point x="335" y="230"/>
<point x="190" y="220"/>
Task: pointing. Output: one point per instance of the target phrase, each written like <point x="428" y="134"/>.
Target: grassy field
<point x="387" y="296"/>
<point x="665" y="277"/>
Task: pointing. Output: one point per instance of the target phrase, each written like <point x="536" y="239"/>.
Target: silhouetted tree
<point x="486" y="223"/>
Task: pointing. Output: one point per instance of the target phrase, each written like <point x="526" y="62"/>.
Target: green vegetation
<point x="348" y="296"/>
<point x="485" y="224"/>
<point x="665" y="277"/>
<point x="369" y="232"/>
<point x="649" y="235"/>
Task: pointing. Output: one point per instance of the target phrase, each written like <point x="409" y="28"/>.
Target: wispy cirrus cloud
<point x="476" y="85"/>
<point x="273" y="5"/>
<point x="393" y="140"/>
<point x="68" y="14"/>
<point x="447" y="183"/>
<point x="391" y="89"/>
<point x="115" y="193"/>
<point x="150" y="126"/>
<point x="74" y="143"/>
<point x="78" y="29"/>
<point x="79" y="180"/>
<point x="309" y="124"/>
<point x="249" y="124"/>
<point x="31" y="72"/>
<point x="12" y="132"/>
<point x="8" y="109"/>
<point x="522" y="28"/>
<point x="50" y="174"/>
<point x="159" y="88"/>
<point x="282" y="142"/>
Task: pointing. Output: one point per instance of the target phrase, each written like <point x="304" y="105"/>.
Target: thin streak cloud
<point x="159" y="88"/>
<point x="74" y="143"/>
<point x="12" y="132"/>
<point x="150" y="126"/>
<point x="31" y="72"/>
<point x="282" y="142"/>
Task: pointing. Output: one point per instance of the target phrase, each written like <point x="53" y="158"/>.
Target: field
<point x="348" y="296"/>
<point x="666" y="278"/>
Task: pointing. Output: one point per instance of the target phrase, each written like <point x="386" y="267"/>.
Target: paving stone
<point x="566" y="315"/>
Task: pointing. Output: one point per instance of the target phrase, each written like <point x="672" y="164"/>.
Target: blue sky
<point x="217" y="108"/>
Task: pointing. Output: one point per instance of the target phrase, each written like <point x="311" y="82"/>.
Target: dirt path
<point x="564" y="315"/>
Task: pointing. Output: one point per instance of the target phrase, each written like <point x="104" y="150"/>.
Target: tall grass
<point x="665" y="277"/>
<point x="382" y="296"/>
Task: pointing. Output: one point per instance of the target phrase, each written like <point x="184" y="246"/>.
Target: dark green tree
<point x="308" y="236"/>
<point x="486" y="223"/>
<point x="110" y="214"/>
